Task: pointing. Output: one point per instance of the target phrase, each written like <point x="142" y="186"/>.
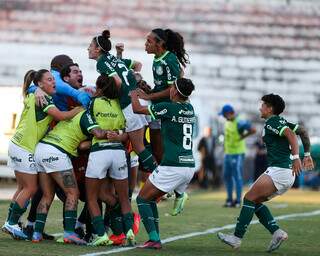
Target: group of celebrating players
<point x="86" y="143"/>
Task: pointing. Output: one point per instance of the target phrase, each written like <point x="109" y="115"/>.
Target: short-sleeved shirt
<point x="177" y="123"/>
<point x="33" y="124"/>
<point x="110" y="65"/>
<point x="166" y="69"/>
<point x="67" y="135"/>
<point x="278" y="150"/>
<point x="109" y="116"/>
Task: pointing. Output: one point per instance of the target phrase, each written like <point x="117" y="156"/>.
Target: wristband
<point x="294" y="157"/>
<point x="307" y="154"/>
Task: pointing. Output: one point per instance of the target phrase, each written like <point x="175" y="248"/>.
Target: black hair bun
<point x="106" y="34"/>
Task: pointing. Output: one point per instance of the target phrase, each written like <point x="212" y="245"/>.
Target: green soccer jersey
<point x="177" y="121"/>
<point x="110" y="65"/>
<point x="278" y="150"/>
<point x="166" y="69"/>
<point x="108" y="116"/>
<point x="33" y="124"/>
<point x="67" y="135"/>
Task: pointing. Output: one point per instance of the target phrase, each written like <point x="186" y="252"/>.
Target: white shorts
<point x="133" y="121"/>
<point x="134" y="159"/>
<point x="155" y="124"/>
<point x="282" y="178"/>
<point x="112" y="160"/>
<point x="50" y="159"/>
<point x="169" y="178"/>
<point x="21" y="160"/>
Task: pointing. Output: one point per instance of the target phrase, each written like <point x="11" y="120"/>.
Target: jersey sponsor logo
<point x="15" y="159"/>
<point x="89" y="117"/>
<point x="50" y="159"/>
<point x="282" y="121"/>
<point x="111" y="67"/>
<point x="162" y="112"/>
<point x="18" y="136"/>
<point x="103" y="114"/>
<point x="186" y="159"/>
<point x="122" y="168"/>
<point x="157" y="82"/>
<point x="269" y="127"/>
<point x="159" y="70"/>
<point x="187" y="113"/>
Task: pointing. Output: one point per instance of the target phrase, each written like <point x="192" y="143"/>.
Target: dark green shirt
<point x="166" y="69"/>
<point x="278" y="150"/>
<point x="110" y="65"/>
<point x="177" y="121"/>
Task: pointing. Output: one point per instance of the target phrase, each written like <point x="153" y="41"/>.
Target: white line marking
<point x="208" y="231"/>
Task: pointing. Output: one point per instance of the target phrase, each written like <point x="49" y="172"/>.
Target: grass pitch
<point x="203" y="211"/>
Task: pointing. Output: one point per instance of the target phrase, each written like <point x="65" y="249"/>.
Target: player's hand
<point x="307" y="163"/>
<point x="143" y="95"/>
<point x="296" y="167"/>
<point x="113" y="136"/>
<point x="40" y="97"/>
<point x="119" y="49"/>
<point x="144" y="86"/>
<point x="77" y="110"/>
<point x="135" y="93"/>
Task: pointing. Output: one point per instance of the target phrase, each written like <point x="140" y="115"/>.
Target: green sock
<point x="145" y="211"/>
<point x="265" y="217"/>
<point x="70" y="219"/>
<point x="245" y="217"/>
<point x="40" y="222"/>
<point x="16" y="212"/>
<point x="9" y="211"/>
<point x="147" y="160"/>
<point x="98" y="225"/>
<point x="127" y="221"/>
<point x="155" y="213"/>
<point x="116" y="220"/>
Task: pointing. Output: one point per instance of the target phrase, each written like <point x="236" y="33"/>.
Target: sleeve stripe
<point x="295" y="128"/>
<point x="151" y="113"/>
<point x="170" y="82"/>
<point x="282" y="130"/>
<point x="47" y="107"/>
<point x="131" y="64"/>
<point x="113" y="73"/>
<point x="92" y="126"/>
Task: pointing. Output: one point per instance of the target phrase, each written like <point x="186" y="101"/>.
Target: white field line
<point x="208" y="231"/>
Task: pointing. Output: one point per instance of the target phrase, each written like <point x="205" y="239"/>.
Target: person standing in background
<point x="235" y="131"/>
<point x="206" y="147"/>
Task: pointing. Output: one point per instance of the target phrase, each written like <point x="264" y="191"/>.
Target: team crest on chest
<point x="159" y="70"/>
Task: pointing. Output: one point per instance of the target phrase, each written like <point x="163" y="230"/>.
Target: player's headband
<point x="176" y="84"/>
<point x="97" y="40"/>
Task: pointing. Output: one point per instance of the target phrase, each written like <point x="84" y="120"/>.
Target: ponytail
<point x="27" y="80"/>
<point x="173" y="42"/>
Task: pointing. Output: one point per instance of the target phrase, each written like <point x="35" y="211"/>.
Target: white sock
<point x="79" y="225"/>
<point x="29" y="223"/>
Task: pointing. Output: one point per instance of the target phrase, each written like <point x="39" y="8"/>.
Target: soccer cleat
<point x="179" y="204"/>
<point x="131" y="240"/>
<point x="15" y="231"/>
<point x="80" y="232"/>
<point x="36" y="237"/>
<point x="47" y="236"/>
<point x="236" y="204"/>
<point x="72" y="238"/>
<point x="60" y="240"/>
<point x="156" y="245"/>
<point x="4" y="229"/>
<point x="136" y="223"/>
<point x="100" y="240"/>
<point x="118" y="239"/>
<point x="231" y="240"/>
<point x="28" y="231"/>
<point x="277" y="238"/>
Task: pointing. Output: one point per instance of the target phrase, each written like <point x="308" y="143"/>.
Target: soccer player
<point x="177" y="166"/>
<point x="108" y="64"/>
<point x="54" y="165"/>
<point x="283" y="166"/>
<point x="108" y="156"/>
<point x="32" y="127"/>
<point x="170" y="58"/>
